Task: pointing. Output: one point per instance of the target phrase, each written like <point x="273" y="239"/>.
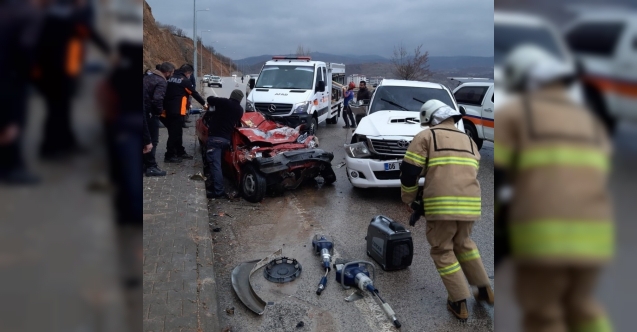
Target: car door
<point x="487" y="114"/>
<point x="471" y="97"/>
<point x="626" y="73"/>
<point x="322" y="102"/>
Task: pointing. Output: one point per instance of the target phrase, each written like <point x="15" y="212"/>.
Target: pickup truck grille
<point x="280" y="108"/>
<point x="389" y="147"/>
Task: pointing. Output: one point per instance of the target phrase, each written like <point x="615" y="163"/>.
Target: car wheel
<point x="471" y="131"/>
<point x="253" y="184"/>
<point x="313" y="127"/>
<point x="329" y="175"/>
<point x="220" y="86"/>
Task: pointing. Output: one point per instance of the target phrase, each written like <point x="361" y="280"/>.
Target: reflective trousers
<point x="456" y="257"/>
<point x="559" y="299"/>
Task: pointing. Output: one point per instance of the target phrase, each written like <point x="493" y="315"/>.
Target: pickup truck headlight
<point x="250" y="106"/>
<point x="357" y="150"/>
<point x="301" y="107"/>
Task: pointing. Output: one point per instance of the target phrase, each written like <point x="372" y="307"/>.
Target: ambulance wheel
<point x="471" y="131"/>
<point x="253" y="184"/>
<point x="332" y="120"/>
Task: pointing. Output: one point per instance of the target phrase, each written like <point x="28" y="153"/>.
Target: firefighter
<point x="178" y="90"/>
<point x="554" y="154"/>
<point x="450" y="202"/>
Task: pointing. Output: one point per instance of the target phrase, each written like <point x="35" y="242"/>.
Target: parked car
<point x="382" y="137"/>
<point x="206" y="78"/>
<point x="605" y="45"/>
<point x="475" y="96"/>
<point x="265" y="155"/>
<point x="215" y="80"/>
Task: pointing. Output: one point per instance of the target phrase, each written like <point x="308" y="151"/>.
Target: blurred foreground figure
<point x="19" y="30"/>
<point x="123" y="115"/>
<point x="555" y="156"/>
<point x="60" y="57"/>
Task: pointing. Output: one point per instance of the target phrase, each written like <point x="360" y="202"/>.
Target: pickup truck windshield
<point x="387" y="97"/>
<point x="286" y="77"/>
<point x="507" y="37"/>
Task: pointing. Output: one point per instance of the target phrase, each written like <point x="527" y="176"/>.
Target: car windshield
<point x="507" y="37"/>
<point x="215" y="77"/>
<point x="407" y="98"/>
<point x="286" y="77"/>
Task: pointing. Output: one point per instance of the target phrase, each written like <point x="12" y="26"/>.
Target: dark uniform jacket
<point x="225" y="117"/>
<point x="178" y="90"/>
<point x="154" y="92"/>
<point x="363" y="94"/>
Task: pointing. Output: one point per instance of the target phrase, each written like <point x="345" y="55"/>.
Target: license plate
<point x="392" y="166"/>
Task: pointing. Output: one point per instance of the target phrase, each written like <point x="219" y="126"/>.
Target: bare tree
<point x="302" y="51"/>
<point x="410" y="67"/>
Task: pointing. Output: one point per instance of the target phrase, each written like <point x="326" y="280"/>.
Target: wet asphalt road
<point x="253" y="231"/>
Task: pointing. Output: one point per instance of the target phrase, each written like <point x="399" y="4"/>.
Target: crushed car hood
<point x="390" y="123"/>
<point x="258" y="129"/>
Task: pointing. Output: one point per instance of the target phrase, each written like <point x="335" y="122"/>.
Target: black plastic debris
<point x="300" y="324"/>
<point x="281" y="270"/>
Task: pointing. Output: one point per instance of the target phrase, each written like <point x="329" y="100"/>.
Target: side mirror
<point x="463" y="111"/>
<point x="320" y="87"/>
<point x="251" y="83"/>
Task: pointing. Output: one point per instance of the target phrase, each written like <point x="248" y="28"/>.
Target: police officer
<point x="554" y="154"/>
<point x="451" y="202"/>
<point x="178" y="90"/>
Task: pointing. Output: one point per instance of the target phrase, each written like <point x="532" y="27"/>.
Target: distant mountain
<point x="435" y="62"/>
<point x="375" y="65"/>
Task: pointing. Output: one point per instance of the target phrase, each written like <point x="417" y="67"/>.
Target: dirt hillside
<point x="160" y="46"/>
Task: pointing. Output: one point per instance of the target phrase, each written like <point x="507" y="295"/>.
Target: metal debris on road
<point x="282" y="270"/>
<point x="198" y="177"/>
<point x="340" y="165"/>
<point x="241" y="282"/>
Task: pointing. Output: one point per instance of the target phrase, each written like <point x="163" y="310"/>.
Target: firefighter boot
<point x="458" y="309"/>
<point x="485" y="294"/>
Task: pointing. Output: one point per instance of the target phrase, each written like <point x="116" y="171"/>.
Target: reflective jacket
<point x="449" y="160"/>
<point x="556" y="155"/>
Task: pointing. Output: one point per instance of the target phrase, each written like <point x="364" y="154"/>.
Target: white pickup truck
<point x="475" y="96"/>
<point x="382" y="137"/>
<point x="604" y="42"/>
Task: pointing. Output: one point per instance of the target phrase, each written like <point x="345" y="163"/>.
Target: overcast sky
<point x="255" y="27"/>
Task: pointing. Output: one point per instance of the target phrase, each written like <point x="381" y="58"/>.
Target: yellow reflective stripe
<point x="443" y="203"/>
<point x="419" y="160"/>
<point x="545" y="238"/>
<point x="601" y="324"/>
<point x="462" y="212"/>
<point x="502" y="155"/>
<point x="452" y="199"/>
<point x="564" y="157"/>
<point x="467" y="256"/>
<point x="453" y="268"/>
<point x="453" y="161"/>
<point x="408" y="189"/>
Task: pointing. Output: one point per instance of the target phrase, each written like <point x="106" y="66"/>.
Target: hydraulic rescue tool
<point x="356" y="274"/>
<point x="323" y="246"/>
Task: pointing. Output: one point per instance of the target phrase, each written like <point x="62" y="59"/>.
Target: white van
<point x="298" y="91"/>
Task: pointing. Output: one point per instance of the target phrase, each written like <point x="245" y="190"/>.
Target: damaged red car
<point x="265" y="156"/>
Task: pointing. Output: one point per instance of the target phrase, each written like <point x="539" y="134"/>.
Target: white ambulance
<point x="295" y="90"/>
